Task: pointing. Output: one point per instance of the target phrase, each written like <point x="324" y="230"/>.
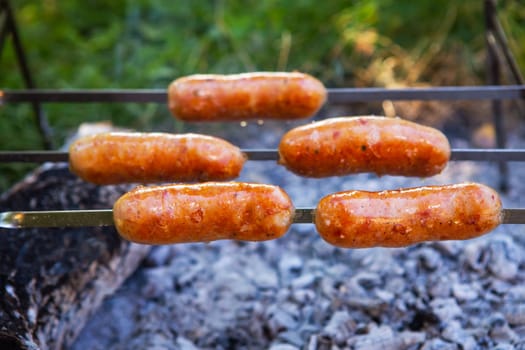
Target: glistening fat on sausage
<point x="349" y="145"/>
<point x="112" y="158"/>
<point x="398" y="218"/>
<point x="258" y="95"/>
<point x="203" y="212"/>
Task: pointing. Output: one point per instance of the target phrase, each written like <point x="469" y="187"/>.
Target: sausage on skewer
<point x="398" y="218"/>
<point x="259" y="95"/>
<point x="349" y="145"/>
<point x="203" y="212"/>
<point x="112" y="158"/>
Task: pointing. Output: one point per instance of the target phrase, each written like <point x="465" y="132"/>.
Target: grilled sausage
<point x="203" y="212"/>
<point x="360" y="219"/>
<point x="348" y="145"/>
<point x="112" y="158"/>
<point x="261" y="95"/>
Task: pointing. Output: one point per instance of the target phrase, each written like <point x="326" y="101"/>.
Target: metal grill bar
<point x="434" y="93"/>
<point x="343" y="95"/>
<point x="104" y="217"/>
<point x="457" y="154"/>
<point x="57" y="218"/>
<point x="513" y="216"/>
<point x="84" y="96"/>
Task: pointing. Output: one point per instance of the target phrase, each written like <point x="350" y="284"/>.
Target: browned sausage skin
<point x="203" y="212"/>
<point x="349" y="145"/>
<point x="112" y="158"/>
<point x="259" y="95"/>
<point x="398" y="218"/>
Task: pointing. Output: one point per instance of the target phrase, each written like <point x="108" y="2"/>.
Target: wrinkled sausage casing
<point x="349" y="145"/>
<point x="203" y="212"/>
<point x="398" y="218"/>
<point x="113" y="158"/>
<point x="261" y="95"/>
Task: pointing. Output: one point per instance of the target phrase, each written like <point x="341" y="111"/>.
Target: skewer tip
<point x="10" y="219"/>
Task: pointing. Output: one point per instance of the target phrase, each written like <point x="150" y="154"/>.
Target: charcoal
<point x="303" y="281"/>
<point x="430" y="259"/>
<point x="301" y="292"/>
<point x="339" y="327"/>
<point x="516" y="293"/>
<point x="290" y="265"/>
<point x="454" y="332"/>
<point x="514" y="313"/>
<point x="260" y="273"/>
<point x="379" y="338"/>
<point x="441" y="286"/>
<point x="476" y="255"/>
<point x="439" y="344"/>
<point x="505" y="258"/>
<point x="464" y="292"/>
<point x="312" y="343"/>
<point x="446" y="309"/>
<point x="185" y="344"/>
<point x="280" y="320"/>
<point x="504" y="288"/>
<point x="409" y="339"/>
<point x="292" y="337"/>
<point x="283" y="347"/>
<point x="303" y="296"/>
<point x="159" y="256"/>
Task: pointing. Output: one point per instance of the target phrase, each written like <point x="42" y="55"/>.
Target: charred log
<point x="52" y="280"/>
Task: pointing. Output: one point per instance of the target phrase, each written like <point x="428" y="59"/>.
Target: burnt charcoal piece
<point x="52" y="280"/>
<point x="421" y="319"/>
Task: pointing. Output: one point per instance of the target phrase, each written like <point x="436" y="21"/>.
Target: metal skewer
<point x="104" y="217"/>
<point x="56" y="218"/>
<point x="335" y="95"/>
<point x="82" y="218"/>
<point x="509" y="155"/>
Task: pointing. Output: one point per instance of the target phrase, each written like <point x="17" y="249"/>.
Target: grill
<point x="41" y="271"/>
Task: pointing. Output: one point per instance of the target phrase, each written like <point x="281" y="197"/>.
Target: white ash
<point x="298" y="292"/>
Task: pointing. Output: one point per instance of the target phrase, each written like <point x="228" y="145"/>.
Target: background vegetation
<point x="148" y="43"/>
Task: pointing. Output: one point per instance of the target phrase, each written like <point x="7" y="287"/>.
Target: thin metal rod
<point x="457" y="154"/>
<point x="81" y="218"/>
<point x="3" y="26"/>
<point x="40" y="118"/>
<point x="503" y="44"/>
<point x="261" y="154"/>
<point x="506" y="155"/>
<point x="104" y="217"/>
<point x="493" y="73"/>
<point x="86" y="96"/>
<point x="304" y="215"/>
<point x="57" y="218"/>
<point x="34" y="156"/>
<point x="335" y="95"/>
<point x="513" y="216"/>
<point x="435" y="93"/>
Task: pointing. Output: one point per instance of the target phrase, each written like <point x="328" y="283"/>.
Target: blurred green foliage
<point x="148" y="43"/>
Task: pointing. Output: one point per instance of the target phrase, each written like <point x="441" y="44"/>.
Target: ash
<point x="299" y="292"/>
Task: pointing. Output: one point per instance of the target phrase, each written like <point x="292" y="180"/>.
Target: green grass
<point x="147" y="44"/>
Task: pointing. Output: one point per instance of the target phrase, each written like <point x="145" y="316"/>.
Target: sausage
<point x="398" y="218"/>
<point x="203" y="212"/>
<point x="349" y="145"/>
<point x="112" y="158"/>
<point x="259" y="95"/>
